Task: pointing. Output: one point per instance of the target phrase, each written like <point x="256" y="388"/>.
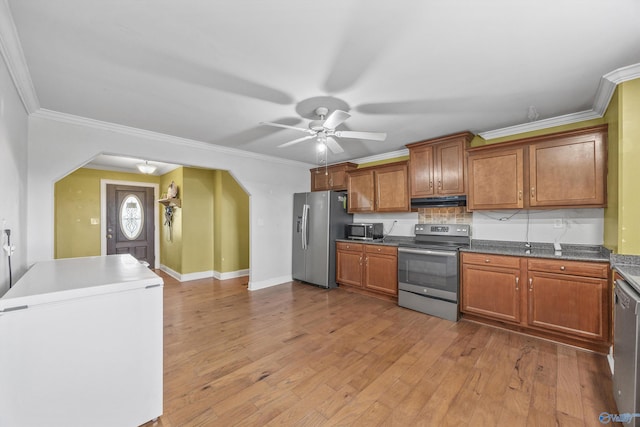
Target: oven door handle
<point x="428" y="252"/>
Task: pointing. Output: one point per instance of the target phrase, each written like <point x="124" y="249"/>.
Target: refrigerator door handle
<point x="305" y="226"/>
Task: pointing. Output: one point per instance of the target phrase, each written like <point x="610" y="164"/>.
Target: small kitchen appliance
<point x="364" y="231"/>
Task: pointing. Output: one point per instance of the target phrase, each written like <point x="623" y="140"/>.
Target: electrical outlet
<point x="558" y="223"/>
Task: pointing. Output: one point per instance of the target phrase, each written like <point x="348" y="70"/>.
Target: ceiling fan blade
<point x="334" y="119"/>
<point x="295" y="141"/>
<point x="375" y="136"/>
<point x="333" y="145"/>
<point x="285" y="126"/>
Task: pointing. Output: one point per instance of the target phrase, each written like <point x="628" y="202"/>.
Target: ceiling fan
<point x="324" y="130"/>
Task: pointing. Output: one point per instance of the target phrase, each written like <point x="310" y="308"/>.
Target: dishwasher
<point x="625" y="350"/>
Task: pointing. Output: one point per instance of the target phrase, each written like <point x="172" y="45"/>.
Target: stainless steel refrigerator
<point x="319" y="218"/>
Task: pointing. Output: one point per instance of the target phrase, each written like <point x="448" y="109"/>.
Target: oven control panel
<point x="443" y="229"/>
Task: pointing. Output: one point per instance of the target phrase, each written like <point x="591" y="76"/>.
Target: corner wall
<point x="13" y="176"/>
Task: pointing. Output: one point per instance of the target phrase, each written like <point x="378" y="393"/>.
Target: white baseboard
<point x="203" y="274"/>
<point x="254" y="286"/>
<point x="230" y="274"/>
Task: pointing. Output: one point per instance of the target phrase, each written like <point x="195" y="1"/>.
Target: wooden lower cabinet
<point x="568" y="301"/>
<point x="368" y="267"/>
<point x="491" y="291"/>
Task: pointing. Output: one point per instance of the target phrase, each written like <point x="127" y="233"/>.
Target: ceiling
<point x="211" y="70"/>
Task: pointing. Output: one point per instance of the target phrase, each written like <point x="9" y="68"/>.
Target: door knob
<point x="109" y="236"/>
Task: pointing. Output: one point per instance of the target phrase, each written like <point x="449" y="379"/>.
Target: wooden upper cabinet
<point x="496" y="179"/>
<point x="379" y="189"/>
<point x="568" y="171"/>
<point x="565" y="169"/>
<point x="361" y="192"/>
<point x="437" y="166"/>
<point x="392" y="194"/>
<point x="331" y="177"/>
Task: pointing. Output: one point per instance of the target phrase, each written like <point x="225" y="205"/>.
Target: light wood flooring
<point x="297" y="355"/>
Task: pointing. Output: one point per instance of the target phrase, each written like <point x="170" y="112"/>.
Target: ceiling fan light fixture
<point x="146" y="168"/>
<point x="321" y="147"/>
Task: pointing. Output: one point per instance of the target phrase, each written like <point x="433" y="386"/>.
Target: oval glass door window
<point x="131" y="217"/>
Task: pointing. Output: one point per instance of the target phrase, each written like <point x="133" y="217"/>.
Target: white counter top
<point x="62" y="279"/>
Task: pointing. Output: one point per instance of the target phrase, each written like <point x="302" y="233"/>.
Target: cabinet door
<point x="491" y="292"/>
<point x="319" y="180"/>
<point x="496" y="179"/>
<point x="349" y="267"/>
<point x="360" y="187"/>
<point x="571" y="305"/>
<point x="568" y="172"/>
<point x="381" y="269"/>
<point x="337" y="180"/>
<point x="449" y="168"/>
<point x="392" y="194"/>
<point x="421" y="171"/>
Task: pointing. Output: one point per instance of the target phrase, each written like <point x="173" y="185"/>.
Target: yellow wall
<point x="198" y="218"/>
<point x="612" y="209"/>
<point x="76" y="201"/>
<point x="211" y="229"/>
<point x="171" y="240"/>
<point x="231" y="225"/>
<point x="382" y="162"/>
<point x="629" y="168"/>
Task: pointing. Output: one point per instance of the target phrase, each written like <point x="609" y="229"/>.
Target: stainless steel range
<point x="428" y="271"/>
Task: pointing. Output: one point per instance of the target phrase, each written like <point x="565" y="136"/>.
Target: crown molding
<point x="11" y="50"/>
<point x="43" y="113"/>
<point x="383" y="156"/>
<point x="606" y="88"/>
<point x="540" y="124"/>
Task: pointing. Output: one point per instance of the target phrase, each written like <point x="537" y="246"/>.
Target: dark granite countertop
<point x="593" y="253"/>
<point x="628" y="266"/>
<point x="541" y="250"/>
<point x="387" y="241"/>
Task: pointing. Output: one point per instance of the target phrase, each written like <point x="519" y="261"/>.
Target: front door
<point x="130" y="222"/>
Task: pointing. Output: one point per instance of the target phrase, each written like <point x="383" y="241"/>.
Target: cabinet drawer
<point x="574" y="268"/>
<point x="381" y="249"/>
<point x="493" y="260"/>
<point x="347" y="246"/>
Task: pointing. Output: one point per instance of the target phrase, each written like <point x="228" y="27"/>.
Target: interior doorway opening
<point x="209" y="235"/>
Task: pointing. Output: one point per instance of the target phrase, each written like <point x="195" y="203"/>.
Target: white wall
<point x="403" y="227"/>
<point x="579" y="226"/>
<point x="58" y="146"/>
<point x="13" y="177"/>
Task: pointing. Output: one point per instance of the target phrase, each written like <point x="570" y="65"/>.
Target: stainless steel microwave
<point x="364" y="231"/>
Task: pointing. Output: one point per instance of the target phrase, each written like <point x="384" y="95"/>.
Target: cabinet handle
<point x="366" y="260"/>
<point x="439" y="185"/>
<point x="430" y="184"/>
<point x="487" y="260"/>
<point x="517" y="283"/>
<point x="530" y="283"/>
<point x="360" y="261"/>
<point x="533" y="192"/>
<point x="562" y="268"/>
<point x="520" y="195"/>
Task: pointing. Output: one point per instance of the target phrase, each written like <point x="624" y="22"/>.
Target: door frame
<point x="103" y="214"/>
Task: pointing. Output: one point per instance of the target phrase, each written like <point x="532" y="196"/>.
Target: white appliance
<point x="319" y="218"/>
<point x="81" y="344"/>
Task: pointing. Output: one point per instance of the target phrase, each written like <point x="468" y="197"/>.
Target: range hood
<point x="439" y="202"/>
